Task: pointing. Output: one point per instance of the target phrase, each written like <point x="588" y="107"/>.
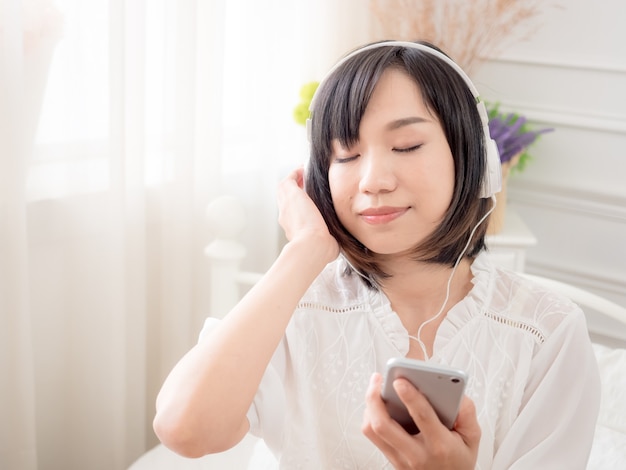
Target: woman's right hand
<point x="435" y="447"/>
<point x="299" y="216"/>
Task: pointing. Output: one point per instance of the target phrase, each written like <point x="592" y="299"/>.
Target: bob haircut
<point x="339" y="105"/>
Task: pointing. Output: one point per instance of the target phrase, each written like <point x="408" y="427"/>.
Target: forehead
<point x="351" y="91"/>
<point x="396" y="104"/>
<point x="396" y="91"/>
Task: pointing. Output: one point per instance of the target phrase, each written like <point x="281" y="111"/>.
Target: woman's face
<point x="392" y="188"/>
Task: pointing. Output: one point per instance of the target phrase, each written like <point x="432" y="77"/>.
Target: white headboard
<point x="227" y="219"/>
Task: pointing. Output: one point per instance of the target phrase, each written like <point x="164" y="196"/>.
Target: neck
<point x="417" y="291"/>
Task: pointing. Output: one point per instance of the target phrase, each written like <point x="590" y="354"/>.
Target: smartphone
<point x="441" y="385"/>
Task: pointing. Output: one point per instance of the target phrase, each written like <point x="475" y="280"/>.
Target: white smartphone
<point x="441" y="385"/>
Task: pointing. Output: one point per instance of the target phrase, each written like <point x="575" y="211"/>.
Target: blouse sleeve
<point x="555" y="426"/>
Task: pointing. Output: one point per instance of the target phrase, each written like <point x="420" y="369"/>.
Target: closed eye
<point x="407" y="149"/>
<point x="345" y="159"/>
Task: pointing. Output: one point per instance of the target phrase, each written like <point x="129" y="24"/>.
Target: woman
<point x="386" y="258"/>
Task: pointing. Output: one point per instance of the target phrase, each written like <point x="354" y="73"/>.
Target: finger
<point x="292" y="182"/>
<point x="384" y="423"/>
<point x="299" y="177"/>
<point x="293" y="176"/>
<point x="467" y="423"/>
<point x="420" y="410"/>
<point x="376" y="419"/>
<point x="296" y="175"/>
<point x="378" y="416"/>
<point x="369" y="430"/>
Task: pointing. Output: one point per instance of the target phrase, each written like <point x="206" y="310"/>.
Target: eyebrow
<point x="398" y="123"/>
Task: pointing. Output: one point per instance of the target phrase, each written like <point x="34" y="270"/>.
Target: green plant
<point x="301" y="111"/>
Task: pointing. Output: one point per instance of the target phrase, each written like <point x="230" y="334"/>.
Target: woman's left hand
<point x="436" y="446"/>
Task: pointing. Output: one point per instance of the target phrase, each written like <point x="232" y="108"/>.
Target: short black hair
<point x="339" y="105"/>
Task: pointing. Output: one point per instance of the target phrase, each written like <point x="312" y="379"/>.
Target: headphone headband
<point x="406" y="44"/>
<point x="492" y="181"/>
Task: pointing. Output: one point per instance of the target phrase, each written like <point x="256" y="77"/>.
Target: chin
<point x="390" y="249"/>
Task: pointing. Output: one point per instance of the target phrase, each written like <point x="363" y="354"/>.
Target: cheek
<point x="339" y="193"/>
<point x="446" y="178"/>
<point x="334" y="186"/>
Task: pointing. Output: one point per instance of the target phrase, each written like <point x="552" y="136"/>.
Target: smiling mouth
<point x="382" y="215"/>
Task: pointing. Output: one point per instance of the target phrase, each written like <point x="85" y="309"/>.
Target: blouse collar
<point x="475" y="303"/>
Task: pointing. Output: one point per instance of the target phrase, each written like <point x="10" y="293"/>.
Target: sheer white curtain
<point x="119" y="121"/>
<point x="102" y="217"/>
<point x="17" y="431"/>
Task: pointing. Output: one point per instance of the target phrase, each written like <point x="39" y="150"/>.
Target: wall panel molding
<point x="567" y="118"/>
<point x="585" y="102"/>
<point x="584" y="279"/>
<point x="588" y="119"/>
<point x="593" y="211"/>
<point x="588" y="203"/>
<point x="534" y="61"/>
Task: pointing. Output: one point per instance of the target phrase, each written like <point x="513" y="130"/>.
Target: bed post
<point x="226" y="219"/>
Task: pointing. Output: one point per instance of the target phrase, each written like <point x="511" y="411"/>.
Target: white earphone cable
<point x="443" y="306"/>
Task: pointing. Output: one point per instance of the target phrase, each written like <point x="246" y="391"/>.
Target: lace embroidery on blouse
<point x="327" y="308"/>
<point x="533" y="330"/>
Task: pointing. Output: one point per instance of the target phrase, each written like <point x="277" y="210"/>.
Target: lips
<point x="382" y="215"/>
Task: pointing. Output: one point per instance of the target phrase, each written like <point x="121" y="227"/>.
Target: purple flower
<point x="512" y="134"/>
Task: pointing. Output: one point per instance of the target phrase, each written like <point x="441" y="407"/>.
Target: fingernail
<point x="399" y="385"/>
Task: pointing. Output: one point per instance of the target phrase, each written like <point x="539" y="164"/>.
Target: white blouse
<point x="532" y="373"/>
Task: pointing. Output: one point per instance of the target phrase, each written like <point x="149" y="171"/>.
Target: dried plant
<point x="468" y="31"/>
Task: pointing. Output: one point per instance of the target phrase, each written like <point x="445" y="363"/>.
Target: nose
<point x="377" y="175"/>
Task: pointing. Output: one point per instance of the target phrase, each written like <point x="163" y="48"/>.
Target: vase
<point x="497" y="217"/>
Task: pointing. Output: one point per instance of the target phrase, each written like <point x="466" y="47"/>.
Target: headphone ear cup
<point x="492" y="180"/>
<point x="308" y="129"/>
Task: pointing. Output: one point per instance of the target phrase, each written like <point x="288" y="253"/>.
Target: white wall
<point x="571" y="75"/>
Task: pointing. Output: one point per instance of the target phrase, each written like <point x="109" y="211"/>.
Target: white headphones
<point x="492" y="181"/>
